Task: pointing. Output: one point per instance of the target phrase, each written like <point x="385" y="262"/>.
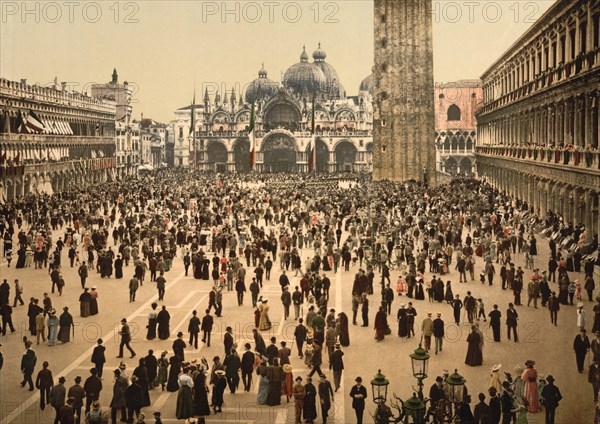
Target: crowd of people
<point x="242" y="232"/>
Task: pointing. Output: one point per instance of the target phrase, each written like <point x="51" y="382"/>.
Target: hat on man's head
<point x="358" y="379"/>
<point x="77" y="379"/>
<point x="62" y="379"/>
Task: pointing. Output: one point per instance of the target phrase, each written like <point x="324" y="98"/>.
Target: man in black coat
<point x="358" y="393"/>
<point x="284" y="281"/>
<point x="247" y="367"/>
<point x="206" y="327"/>
<point x="507" y="402"/>
<point x="228" y="341"/>
<point x="98" y="358"/>
<point x="32" y="312"/>
<point x="300" y="334"/>
<point x="551" y="395"/>
<point x="272" y="351"/>
<point x="194" y="329"/>
<point x="337" y="365"/>
<point x="438" y="332"/>
<point x="436" y="392"/>
<point x="495" y="322"/>
<point x="44" y="383"/>
<point x="92" y="388"/>
<point x="494" y="407"/>
<point x="179" y="347"/>
<point x="511" y="322"/>
<point x="581" y="346"/>
<point x="28" y="362"/>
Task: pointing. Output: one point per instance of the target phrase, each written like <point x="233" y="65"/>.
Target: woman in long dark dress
<point x="118" y="267"/>
<point x="343" y="329"/>
<point x="218" y="389"/>
<point x="419" y="292"/>
<point x="21" y="255"/>
<point x="276" y="376"/>
<point x="532" y="246"/>
<point x="402" y="322"/>
<point x="474" y="354"/>
<point x="449" y="296"/>
<point x="142" y="374"/>
<point x="65" y="325"/>
<point x="174" y="370"/>
<point x="163" y="319"/>
<point x="205" y="269"/>
<point x="152" y="323"/>
<point x="198" y="268"/>
<point x="309" y="408"/>
<point x="438" y="291"/>
<point x="201" y="407"/>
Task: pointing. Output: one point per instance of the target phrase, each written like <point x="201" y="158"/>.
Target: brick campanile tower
<point x="404" y="116"/>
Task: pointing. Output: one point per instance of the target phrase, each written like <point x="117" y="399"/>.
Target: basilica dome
<point x="332" y="81"/>
<point x="261" y="87"/>
<point x="367" y="84"/>
<point x="305" y="78"/>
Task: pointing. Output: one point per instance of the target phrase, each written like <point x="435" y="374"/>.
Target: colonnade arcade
<point x="576" y="204"/>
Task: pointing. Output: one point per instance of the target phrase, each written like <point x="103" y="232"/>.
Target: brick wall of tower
<point x="404" y="116"/>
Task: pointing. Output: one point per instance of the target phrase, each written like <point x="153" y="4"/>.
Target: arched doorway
<point x="451" y="166"/>
<point x="369" y="157"/>
<point x="279" y="153"/>
<point x="322" y="156"/>
<point x="241" y="154"/>
<point x="345" y="156"/>
<point x="216" y="156"/>
<point x="466" y="167"/>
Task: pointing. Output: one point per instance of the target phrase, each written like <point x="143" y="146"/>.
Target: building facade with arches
<point x="343" y="124"/>
<point x="74" y="146"/>
<point x="456" y="127"/>
<point x="538" y="127"/>
<point x="283" y="124"/>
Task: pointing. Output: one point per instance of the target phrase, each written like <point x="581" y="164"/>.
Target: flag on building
<point x="20" y="124"/>
<point x="312" y="153"/>
<point x="34" y="124"/>
<point x="193" y="124"/>
<point x="252" y="138"/>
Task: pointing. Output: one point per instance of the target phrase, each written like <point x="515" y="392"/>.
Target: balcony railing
<point x="586" y="159"/>
<point x="551" y="76"/>
<point x="64" y="139"/>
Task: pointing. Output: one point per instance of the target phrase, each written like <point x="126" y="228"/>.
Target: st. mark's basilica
<point x="283" y="131"/>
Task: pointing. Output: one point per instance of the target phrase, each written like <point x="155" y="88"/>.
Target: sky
<point x="168" y="49"/>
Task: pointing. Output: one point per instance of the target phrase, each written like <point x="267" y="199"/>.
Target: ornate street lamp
<point x="420" y="365"/>
<point x="456" y="386"/>
<point x="379" y="385"/>
<point x="416" y="408"/>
